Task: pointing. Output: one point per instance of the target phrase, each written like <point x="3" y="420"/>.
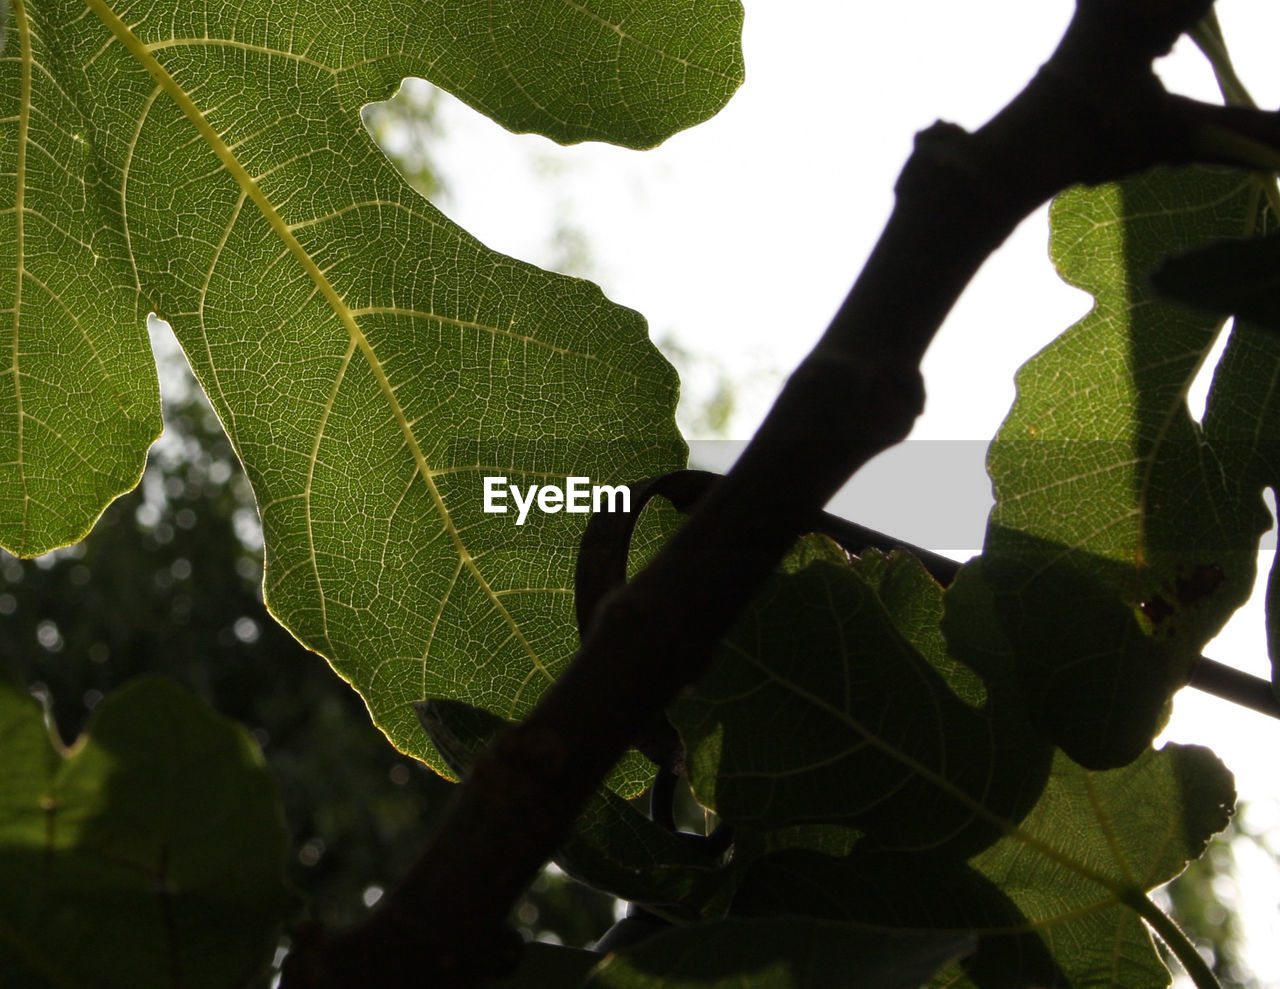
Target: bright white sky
<point x="740" y="237"/>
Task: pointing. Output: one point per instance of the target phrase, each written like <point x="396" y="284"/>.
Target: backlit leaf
<point x="825" y="705"/>
<point x="371" y="362"/>
<point x="835" y="700"/>
<point x="578" y="70"/>
<point x="1117" y="546"/>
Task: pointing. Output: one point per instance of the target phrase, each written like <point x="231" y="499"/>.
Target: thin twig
<point x="1236" y="686"/>
<point x="1209" y="675"/>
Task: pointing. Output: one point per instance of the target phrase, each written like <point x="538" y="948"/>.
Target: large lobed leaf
<point x="370" y="361"/>
<point x="1118" y="544"/>
<point x="149" y="854"/>
<point x="1240" y="276"/>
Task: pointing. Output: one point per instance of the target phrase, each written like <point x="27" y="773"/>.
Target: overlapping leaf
<point x="1242" y="420"/>
<point x="1242" y="414"/>
<point x="1096" y="843"/>
<point x="150" y="854"/>
<point x="1118" y="546"/>
<point x="1237" y="277"/>
<point x="1056" y="900"/>
<point x="371" y="362"/>
<point x="823" y="706"/>
<point x="835" y="700"/>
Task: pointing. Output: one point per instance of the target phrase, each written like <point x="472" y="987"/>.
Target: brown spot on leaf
<point x="1157" y="609"/>
<point x="1183" y="591"/>
<point x="1203" y="581"/>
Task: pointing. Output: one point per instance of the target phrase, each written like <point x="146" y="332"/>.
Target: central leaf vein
<point x="23" y="31"/>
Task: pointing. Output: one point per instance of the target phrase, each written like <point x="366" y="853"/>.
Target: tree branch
<point x="1094" y="113"/>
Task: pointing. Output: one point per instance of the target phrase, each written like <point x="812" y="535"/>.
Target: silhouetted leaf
<point x="780" y="953"/>
<point x="613" y="846"/>
<point x="1228" y="278"/>
<point x="834" y="700"/>
<point x="914" y="892"/>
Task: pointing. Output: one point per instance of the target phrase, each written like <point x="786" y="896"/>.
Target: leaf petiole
<point x="1172" y="935"/>
<point x="1207" y="36"/>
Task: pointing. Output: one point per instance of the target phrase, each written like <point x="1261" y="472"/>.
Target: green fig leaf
<point x="1115" y="547"/>
<point x="150" y="853"/>
<point x="1059" y="900"/>
<point x="371" y="362"/>
<point x="834" y="700"/>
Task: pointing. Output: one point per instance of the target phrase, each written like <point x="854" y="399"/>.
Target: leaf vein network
<point x="22" y="29"/>
<point x="358" y="340"/>
<point x="464" y="324"/>
<point x="623" y="36"/>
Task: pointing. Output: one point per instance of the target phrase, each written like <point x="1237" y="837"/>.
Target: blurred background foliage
<point x="169" y="582"/>
<point x="405" y="127"/>
<point x="1205" y="900"/>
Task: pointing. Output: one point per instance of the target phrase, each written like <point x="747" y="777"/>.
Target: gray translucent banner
<point x="933" y="493"/>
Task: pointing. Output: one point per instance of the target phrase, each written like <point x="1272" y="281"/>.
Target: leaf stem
<point x="1207" y="36"/>
<point x="1172" y="935"/>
